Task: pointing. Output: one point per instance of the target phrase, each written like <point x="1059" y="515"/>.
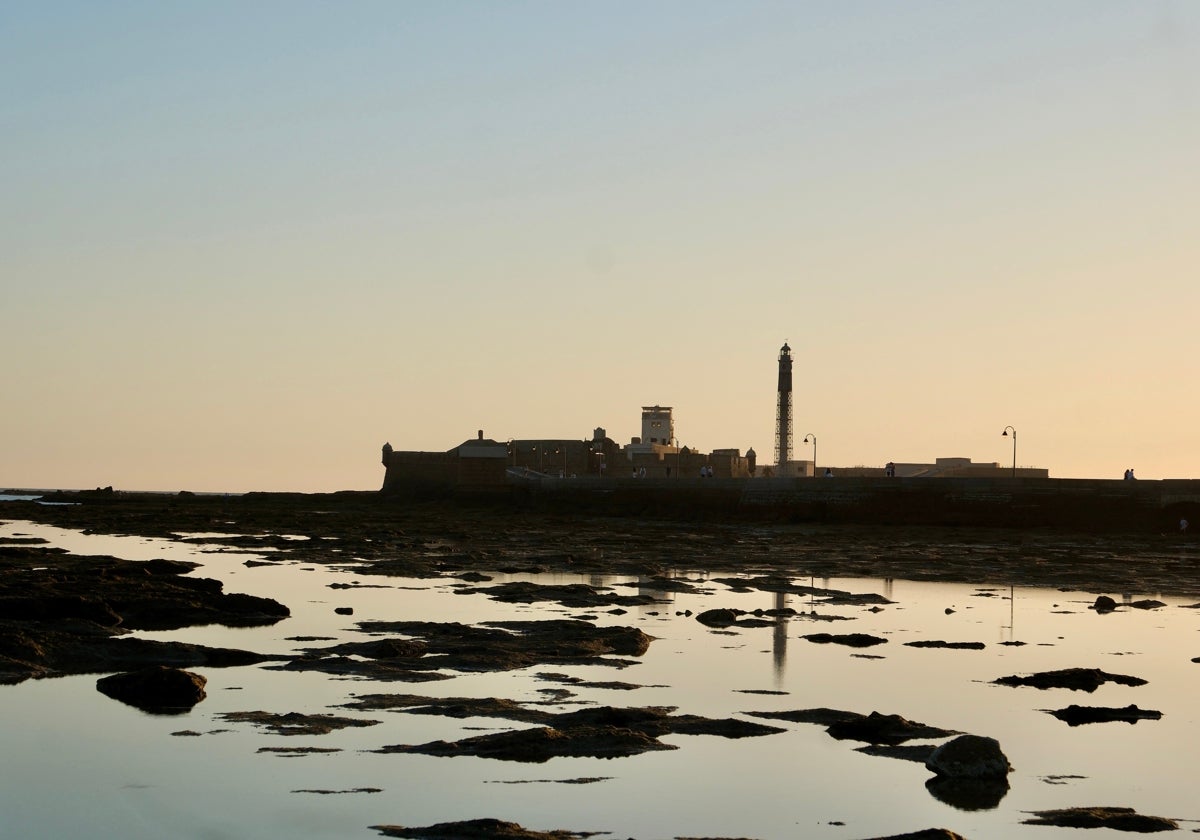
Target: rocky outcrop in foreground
<point x="63" y="614"/>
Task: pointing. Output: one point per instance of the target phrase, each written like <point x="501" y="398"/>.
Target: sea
<point x="79" y="764"/>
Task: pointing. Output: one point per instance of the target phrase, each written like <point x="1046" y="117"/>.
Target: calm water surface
<point x="76" y="763"/>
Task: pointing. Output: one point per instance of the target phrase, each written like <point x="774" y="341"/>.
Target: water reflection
<point x="779" y="637"/>
<point x="1011" y="627"/>
<point x="968" y="794"/>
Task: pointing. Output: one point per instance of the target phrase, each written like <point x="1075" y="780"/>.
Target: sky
<point x="243" y="244"/>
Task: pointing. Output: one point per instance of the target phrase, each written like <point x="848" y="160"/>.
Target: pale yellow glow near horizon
<point x="251" y="268"/>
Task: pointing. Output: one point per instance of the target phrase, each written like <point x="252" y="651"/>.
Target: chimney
<point x="481" y="434"/>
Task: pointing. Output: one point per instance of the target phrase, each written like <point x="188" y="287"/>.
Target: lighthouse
<point x="783" y="410"/>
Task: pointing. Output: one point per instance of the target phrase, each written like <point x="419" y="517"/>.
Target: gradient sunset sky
<point x="243" y="244"/>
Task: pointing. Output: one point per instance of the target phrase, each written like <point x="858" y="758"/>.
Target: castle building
<point x="483" y="463"/>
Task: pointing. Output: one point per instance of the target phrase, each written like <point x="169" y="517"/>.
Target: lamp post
<point x="814" y="443"/>
<point x="1008" y="429"/>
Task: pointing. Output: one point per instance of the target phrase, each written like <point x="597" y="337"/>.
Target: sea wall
<point x="1084" y="504"/>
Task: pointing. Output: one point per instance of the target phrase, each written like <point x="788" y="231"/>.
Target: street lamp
<point x="1008" y="429"/>
<point x="814" y="443"/>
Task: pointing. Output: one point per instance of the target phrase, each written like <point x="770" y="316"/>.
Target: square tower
<point x="657" y="425"/>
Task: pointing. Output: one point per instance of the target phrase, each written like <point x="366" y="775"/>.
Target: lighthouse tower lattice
<point x="783" y="409"/>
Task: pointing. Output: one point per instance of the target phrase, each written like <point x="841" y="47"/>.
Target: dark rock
<point x="923" y="834"/>
<point x="159" y="690"/>
<point x="384" y="670"/>
<point x="1104" y="604"/>
<point x="970" y="757"/>
<point x="777" y="583"/>
<point x="541" y="744"/>
<point x="51" y="587"/>
<point x="717" y="618"/>
<point x="54" y="607"/>
<point x="603" y="732"/>
<point x="481" y="829"/>
<point x="825" y="717"/>
<point x="498" y="646"/>
<point x="381" y="649"/>
<point x="569" y="595"/>
<point x="294" y="723"/>
<point x="658" y="721"/>
<point x="857" y="640"/>
<point x="452" y="707"/>
<point x="1076" y="715"/>
<point x="1120" y="819"/>
<point x="883" y="729"/>
<point x="935" y="643"/>
<point x="756" y="622"/>
<point x="1076" y="679"/>
<point x="658" y="583"/>
<point x="77" y="647"/>
<point x="162" y="566"/>
<point x="344" y="610"/>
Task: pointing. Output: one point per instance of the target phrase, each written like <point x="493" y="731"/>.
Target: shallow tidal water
<point x="76" y="763"/>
